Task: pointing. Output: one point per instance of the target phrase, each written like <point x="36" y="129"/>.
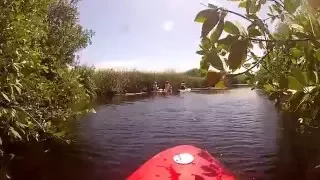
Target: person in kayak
<point x="183" y="85"/>
<point x="155" y="86"/>
<point x="167" y="87"/>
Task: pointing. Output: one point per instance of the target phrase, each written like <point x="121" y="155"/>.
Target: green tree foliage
<point x="195" y="72"/>
<point x="86" y="79"/>
<point x="39" y="87"/>
<point x="240" y="79"/>
<point x="289" y="67"/>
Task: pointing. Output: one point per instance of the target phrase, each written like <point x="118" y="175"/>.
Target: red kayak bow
<point x="182" y="163"/>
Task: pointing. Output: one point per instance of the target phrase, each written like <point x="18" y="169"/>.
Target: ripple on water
<point x="239" y="126"/>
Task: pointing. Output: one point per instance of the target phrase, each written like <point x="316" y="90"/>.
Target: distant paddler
<point x="183" y="85"/>
<point x="167" y="87"/>
<point x="155" y="86"/>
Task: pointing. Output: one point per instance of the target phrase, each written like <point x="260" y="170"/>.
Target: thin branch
<point x="204" y="5"/>
<point x="31" y="117"/>
<point x="311" y="25"/>
<point x="248" y="59"/>
<point x="232" y="12"/>
<point x="267" y="19"/>
<point x="268" y="40"/>
<point x="282" y="5"/>
<point x="249" y="69"/>
<point x="276" y="16"/>
<point x="267" y="69"/>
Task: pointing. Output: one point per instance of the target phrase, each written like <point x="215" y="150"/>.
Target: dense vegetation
<point x="289" y="66"/>
<point x="40" y="87"/>
<point x="108" y="82"/>
<point x="41" y="84"/>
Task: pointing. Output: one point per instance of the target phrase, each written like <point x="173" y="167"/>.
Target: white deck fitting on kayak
<point x="183" y="158"/>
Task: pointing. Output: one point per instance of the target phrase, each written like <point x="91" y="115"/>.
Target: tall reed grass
<point x="110" y="81"/>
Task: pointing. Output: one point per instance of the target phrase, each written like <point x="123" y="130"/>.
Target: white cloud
<point x="168" y="25"/>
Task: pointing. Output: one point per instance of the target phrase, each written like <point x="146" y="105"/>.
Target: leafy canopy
<point x="290" y="64"/>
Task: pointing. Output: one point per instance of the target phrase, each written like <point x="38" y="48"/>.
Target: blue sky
<point x="151" y="35"/>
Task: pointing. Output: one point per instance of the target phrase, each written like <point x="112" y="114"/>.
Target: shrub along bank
<point x="38" y="89"/>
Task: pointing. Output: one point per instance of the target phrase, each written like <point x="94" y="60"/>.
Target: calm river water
<point x="239" y="126"/>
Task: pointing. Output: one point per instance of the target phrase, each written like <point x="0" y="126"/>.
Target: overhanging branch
<point x="281" y="4"/>
<point x="269" y="40"/>
<point x="232" y="12"/>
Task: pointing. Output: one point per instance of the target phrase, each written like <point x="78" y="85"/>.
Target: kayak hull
<point x="184" y="90"/>
<point x="163" y="166"/>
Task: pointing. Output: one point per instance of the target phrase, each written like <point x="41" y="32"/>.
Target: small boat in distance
<point x="183" y="87"/>
<point x="158" y="91"/>
<point x="184" y="90"/>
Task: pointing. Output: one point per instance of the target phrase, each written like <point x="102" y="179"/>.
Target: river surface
<point x="239" y="126"/>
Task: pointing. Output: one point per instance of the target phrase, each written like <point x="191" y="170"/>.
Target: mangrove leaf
<point x="291" y="5"/>
<point x="217" y="33"/>
<point x="294" y="84"/>
<point x="238" y="54"/>
<point x="230" y="28"/>
<point x="298" y="74"/>
<point x="210" y="23"/>
<point x="214" y="60"/>
<point x="203" y="15"/>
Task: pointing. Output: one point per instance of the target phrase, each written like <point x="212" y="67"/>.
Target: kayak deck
<point x="183" y="162"/>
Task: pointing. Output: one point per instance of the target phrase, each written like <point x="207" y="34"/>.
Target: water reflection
<point x="239" y="126"/>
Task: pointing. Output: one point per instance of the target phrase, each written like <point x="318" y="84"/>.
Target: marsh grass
<point x="110" y="81"/>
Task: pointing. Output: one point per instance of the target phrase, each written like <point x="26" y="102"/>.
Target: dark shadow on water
<point x="62" y="161"/>
<point x="299" y="154"/>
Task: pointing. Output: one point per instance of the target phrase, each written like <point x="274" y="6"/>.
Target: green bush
<point x="85" y="77"/>
<point x="195" y="72"/>
<point x="290" y="63"/>
<point x="38" y="89"/>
